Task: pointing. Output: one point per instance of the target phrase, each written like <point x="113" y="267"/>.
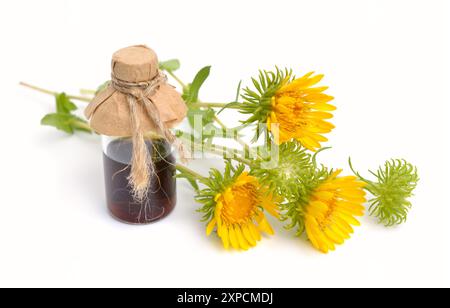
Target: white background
<point x="385" y="61"/>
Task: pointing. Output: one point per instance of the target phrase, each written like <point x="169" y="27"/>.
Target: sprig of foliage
<point x="64" y="119"/>
<point x="394" y="185"/>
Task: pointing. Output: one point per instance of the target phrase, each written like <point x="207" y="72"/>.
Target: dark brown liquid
<point x="161" y="198"/>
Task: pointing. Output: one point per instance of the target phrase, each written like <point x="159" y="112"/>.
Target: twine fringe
<point x="142" y="166"/>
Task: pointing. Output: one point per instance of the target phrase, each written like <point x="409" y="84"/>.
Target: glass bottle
<point x="161" y="196"/>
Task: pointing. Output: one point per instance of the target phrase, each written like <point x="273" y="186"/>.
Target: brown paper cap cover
<point x="109" y="112"/>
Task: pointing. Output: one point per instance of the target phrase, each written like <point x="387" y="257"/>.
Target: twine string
<point x="142" y="166"/>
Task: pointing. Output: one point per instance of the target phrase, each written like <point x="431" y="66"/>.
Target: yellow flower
<point x="239" y="215"/>
<point x="330" y="213"/>
<point x="300" y="112"/>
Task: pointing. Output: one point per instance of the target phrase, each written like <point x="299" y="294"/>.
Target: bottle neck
<point x="121" y="148"/>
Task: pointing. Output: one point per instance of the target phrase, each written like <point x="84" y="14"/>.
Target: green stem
<point x="84" y="126"/>
<point x="182" y="84"/>
<point x="213" y="105"/>
<point x="371" y="186"/>
<point x="45" y="91"/>
<point x="237" y="138"/>
<point x="194" y="174"/>
<point x="234" y="157"/>
<point x="356" y="173"/>
<point x="190" y="138"/>
<point x="217" y="149"/>
<point x="219" y="121"/>
<point x="87" y="92"/>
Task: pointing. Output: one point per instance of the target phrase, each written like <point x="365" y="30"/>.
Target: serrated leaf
<point x="190" y="94"/>
<point x="63" y="104"/>
<point x="170" y="65"/>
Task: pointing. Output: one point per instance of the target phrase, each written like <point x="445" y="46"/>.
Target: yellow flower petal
<point x="323" y="107"/>
<point x="342" y="233"/>
<point x="264" y="225"/>
<point x="255" y="232"/>
<point x="233" y="238"/>
<point x="336" y="238"/>
<point x="324" y="243"/>
<point x="211" y="226"/>
<point x="318" y="98"/>
<point x="344" y="225"/>
<point x="350" y="206"/>
<point x="228" y="196"/>
<point x="349" y="212"/>
<point x="225" y="237"/>
<point x="238" y="213"/>
<point x="331" y="211"/>
<point x="349" y="219"/>
<point x="299" y="111"/>
<point x="323" y="195"/>
<point x="318" y="89"/>
<point x="310" y="233"/>
<point x="242" y="241"/>
<point x="248" y="235"/>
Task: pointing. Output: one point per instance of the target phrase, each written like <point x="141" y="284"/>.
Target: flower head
<point x="396" y="181"/>
<point x="283" y="167"/>
<point x="235" y="206"/>
<point x="325" y="207"/>
<point x="330" y="213"/>
<point x="300" y="112"/>
<point x="291" y="109"/>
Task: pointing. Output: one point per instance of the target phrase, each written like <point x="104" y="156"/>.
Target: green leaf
<point x="63" y="104"/>
<point x="238" y="91"/>
<point x="190" y="94"/>
<point x="170" y="65"/>
<point x="193" y="183"/>
<point x="57" y="120"/>
<point x="230" y="105"/>
<point x="66" y="122"/>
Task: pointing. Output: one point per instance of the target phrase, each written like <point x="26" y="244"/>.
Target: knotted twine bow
<point x="142" y="166"/>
